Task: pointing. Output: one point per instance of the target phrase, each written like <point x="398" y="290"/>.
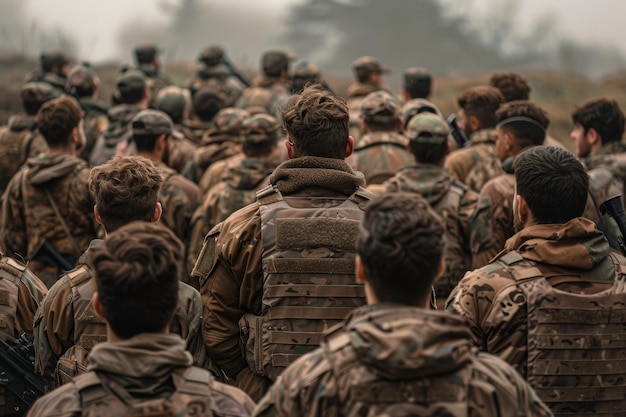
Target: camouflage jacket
<point x="229" y="266"/>
<point x="393" y="360"/>
<point x="28" y="218"/>
<point x="117" y="131"/>
<point x="356" y="94"/>
<point x="196" y="129"/>
<point x="455" y="203"/>
<point x="267" y="95"/>
<point x="19" y="140"/>
<point x="96" y="123"/>
<point x="182" y="150"/>
<point x="144" y="367"/>
<point x="228" y="87"/>
<point x="379" y="156"/>
<point x="477" y="163"/>
<point x="68" y="306"/>
<point x="492" y="301"/>
<point x="211" y="150"/>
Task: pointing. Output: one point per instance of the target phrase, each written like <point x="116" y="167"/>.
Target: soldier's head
<point x="35" y="94"/>
<point x="428" y="138"/>
<point x="511" y="84"/>
<point x="276" y="63"/>
<point x="60" y="122"/>
<point x="551" y="187"/>
<point x="173" y="101"/>
<point x="146" y="54"/>
<point x="596" y="123"/>
<point x="153" y="133"/>
<point x="304" y="73"/>
<point x="399" y="249"/>
<point x="521" y="124"/>
<point x="228" y="121"/>
<point x="417" y="83"/>
<point x="206" y="102"/>
<point x="259" y="134"/>
<point x="212" y="55"/>
<point x="477" y="108"/>
<point x="125" y="189"/>
<point x="415" y="107"/>
<point x="380" y="112"/>
<point x="316" y="122"/>
<point x="55" y="62"/>
<point x="136" y="272"/>
<point x="132" y="87"/>
<point x="82" y="81"/>
<point x="369" y="70"/>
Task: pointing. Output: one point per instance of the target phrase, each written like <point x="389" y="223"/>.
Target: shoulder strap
<point x="195" y="381"/>
<point x="78" y="275"/>
<point x="361" y="197"/>
<point x="11" y="270"/>
<point x="521" y="269"/>
<point x="65" y="228"/>
<point x="268" y="195"/>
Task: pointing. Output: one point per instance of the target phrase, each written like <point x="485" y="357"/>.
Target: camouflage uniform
<point x="67" y="318"/>
<point x="28" y="218"/>
<point x="218" y="78"/>
<point x="478" y="162"/>
<point x="392" y="360"/>
<point x="96" y="122"/>
<point x="239" y="260"/>
<point x="145" y="54"/>
<point x="146" y="367"/>
<point x="49" y="59"/>
<point x="551" y="304"/>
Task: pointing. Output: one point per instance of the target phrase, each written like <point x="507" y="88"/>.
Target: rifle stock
<point x="614" y="208"/>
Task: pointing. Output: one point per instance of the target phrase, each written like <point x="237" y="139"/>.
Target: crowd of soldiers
<point x="272" y="249"/>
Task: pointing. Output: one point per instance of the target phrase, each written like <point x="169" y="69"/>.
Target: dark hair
<point x="401" y="244"/>
<point x="553" y="183"/>
<point x="419" y="88"/>
<point x="145" y="142"/>
<point x="136" y="271"/>
<point x="316" y="121"/>
<point x="481" y="102"/>
<point x="428" y="153"/>
<point x="602" y="115"/>
<point x="56" y="120"/>
<point x="511" y="84"/>
<point x="524" y="133"/>
<point x="131" y="95"/>
<point x="125" y="189"/>
<point x="206" y="103"/>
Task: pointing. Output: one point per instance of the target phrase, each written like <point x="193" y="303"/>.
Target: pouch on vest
<point x="71" y="364"/>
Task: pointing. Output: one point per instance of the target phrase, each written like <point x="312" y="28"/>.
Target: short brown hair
<point x="316" y="121"/>
<point x="511" y="84"/>
<point x="136" y="272"/>
<point x="602" y="115"/>
<point x="524" y="133"/>
<point x="481" y="102"/>
<point x="57" y="118"/>
<point x="125" y="189"/>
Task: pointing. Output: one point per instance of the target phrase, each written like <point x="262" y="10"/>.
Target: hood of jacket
<point x="249" y="174"/>
<point x="430" y="181"/>
<point x="45" y="167"/>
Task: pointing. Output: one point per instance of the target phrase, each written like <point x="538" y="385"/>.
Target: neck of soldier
<point x="372" y="299"/>
<point x="154" y="156"/>
<point x="113" y="337"/>
<point x="69" y="149"/>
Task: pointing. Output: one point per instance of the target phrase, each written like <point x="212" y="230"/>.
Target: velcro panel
<point x="571" y="316"/>
<point x="581" y="341"/>
<point x="283" y="359"/>
<point x="195" y="381"/>
<point x="565" y="367"/>
<point x="316" y="232"/>
<point x="418" y="391"/>
<point x="308" y="265"/>
<point x="88" y="341"/>
<point x="574" y="394"/>
<point x="326" y="291"/>
<point x="5" y="298"/>
<point x="311" y="313"/>
<point x="295" y="338"/>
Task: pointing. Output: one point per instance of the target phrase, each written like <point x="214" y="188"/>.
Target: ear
<point x="97" y="305"/>
<point x="593" y="137"/>
<point x="359" y="274"/>
<point x="291" y="150"/>
<point x="161" y="142"/>
<point x="441" y="269"/>
<point x="96" y="214"/>
<point x="474" y="123"/>
<point x="522" y="209"/>
<point x="74" y="136"/>
<point x="158" y="211"/>
<point x="349" y="146"/>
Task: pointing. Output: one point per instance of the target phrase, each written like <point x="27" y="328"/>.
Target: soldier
<point x="54" y="66"/>
<point x="125" y="189"/>
<point x="205" y="104"/>
<point x="152" y="134"/>
<point x="216" y="72"/>
<point x="382" y="150"/>
<point x="147" y="60"/>
<point x="598" y="129"/>
<point x="305" y="73"/>
<point x="287" y="260"/>
<point x="394" y="357"/>
<point x="269" y="93"/>
<point x="83" y="84"/>
<point x="141" y="369"/>
<point x="428" y="142"/>
<point x="133" y="96"/>
<point x="20" y="139"/>
<point x="417" y="84"/>
<point x="46" y="213"/>
<point x="173" y="102"/>
<point x="416" y="106"/>
<point x="551" y="303"/>
<point x="478" y="162"/>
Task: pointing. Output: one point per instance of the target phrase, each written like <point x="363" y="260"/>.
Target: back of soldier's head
<point x="147" y="126"/>
<point x="229" y="120"/>
<point x="417" y="82"/>
<point x="56" y="120"/>
<point x="145" y="53"/>
<point x="51" y="60"/>
<point x="604" y="116"/>
<point x="125" y="189"/>
<point x="131" y="86"/>
<point x="525" y="121"/>
<point x="481" y="102"/>
<point x="136" y="271"/>
<point x="304" y="73"/>
<point x="416" y="106"/>
<point x="400" y="245"/>
<point x="273" y="63"/>
<point x="82" y="81"/>
<point x="35" y="94"/>
<point x="316" y="122"/>
<point x="428" y="138"/>
<point x="364" y="66"/>
<point x="553" y="183"/>
<point x="259" y="134"/>
<point x="206" y="102"/>
<point x="212" y="55"/>
<point x="381" y="111"/>
<point x="172" y="101"/>
<point x="511" y="84"/>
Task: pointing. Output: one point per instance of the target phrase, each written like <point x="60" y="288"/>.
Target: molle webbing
<point x="89" y="329"/>
<point x="10" y="275"/>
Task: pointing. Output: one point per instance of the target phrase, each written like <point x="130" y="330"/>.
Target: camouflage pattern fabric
<point x="195" y="129"/>
<point x="456" y="204"/>
<point x="19" y="140"/>
<point x="379" y="156"/>
<point x="182" y="150"/>
<point x="95" y="122"/>
<point x="67" y="318"/>
<point x="118" y="131"/>
<point x="230" y="264"/>
<point x="146" y="375"/>
<point x="356" y="94"/>
<point x="477" y="163"/>
<point x="267" y="95"/>
<point x="392" y="360"/>
<point x="218" y="78"/>
<point x="28" y="218"/>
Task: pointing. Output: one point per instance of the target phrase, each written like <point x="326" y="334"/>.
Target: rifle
<point x="456" y="132"/>
<point x="47" y="254"/>
<point x="614" y="208"/>
<point x="234" y="71"/>
<point x="17" y="372"/>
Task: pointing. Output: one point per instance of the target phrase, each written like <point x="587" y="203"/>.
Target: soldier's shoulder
<point x="63" y="401"/>
<point x="229" y="400"/>
<point x="180" y="183"/>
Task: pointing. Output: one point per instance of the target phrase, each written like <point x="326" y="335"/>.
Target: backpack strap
<point x="195" y="381"/>
<point x="268" y="195"/>
<point x="78" y="275"/>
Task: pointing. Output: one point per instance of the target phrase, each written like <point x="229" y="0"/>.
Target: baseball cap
<point x="303" y="69"/>
<point x="427" y="128"/>
<point x="152" y="122"/>
<point x="211" y="55"/>
<point x="131" y="80"/>
<point x="172" y="101"/>
<point x="259" y="128"/>
<point x="415" y="74"/>
<point x="273" y="62"/>
<point x="380" y="107"/>
<point x="368" y="64"/>
<point x="146" y="52"/>
<point x="416" y="106"/>
<point x="230" y="120"/>
<point x="38" y="92"/>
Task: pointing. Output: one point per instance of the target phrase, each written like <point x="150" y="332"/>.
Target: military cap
<point x="131" y="80"/>
<point x="368" y="64"/>
<point x="152" y="122"/>
<point x="305" y="70"/>
<point x="38" y="92"/>
<point x="207" y="71"/>
<point x="172" y="100"/>
<point x="427" y="128"/>
<point x="146" y="52"/>
<point x="259" y="128"/>
<point x="83" y="77"/>
<point x="211" y="55"/>
<point x="229" y="120"/>
<point x="415" y="74"/>
<point x="416" y="106"/>
<point x="52" y="58"/>
<point x="273" y="62"/>
<point x="380" y="107"/>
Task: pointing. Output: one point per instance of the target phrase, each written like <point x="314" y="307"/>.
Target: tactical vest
<point x="102" y="397"/>
<point x="10" y="275"/>
<point x="485" y="166"/>
<point x="308" y="277"/>
<point x="14" y="150"/>
<point x="576" y="342"/>
<point x="89" y="329"/>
